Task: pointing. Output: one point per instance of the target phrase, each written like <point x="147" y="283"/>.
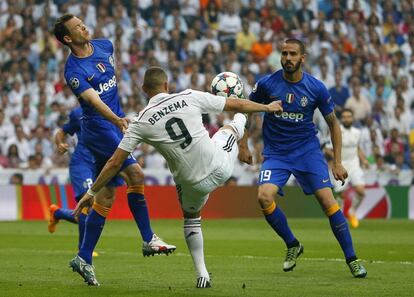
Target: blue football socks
<point x="277" y="220"/>
<point x="139" y="209"/>
<point x="65" y="214"/>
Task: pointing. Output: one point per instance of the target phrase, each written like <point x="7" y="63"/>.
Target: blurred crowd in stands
<point x="362" y="50"/>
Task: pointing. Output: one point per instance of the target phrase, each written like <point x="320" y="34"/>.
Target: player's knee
<point x="190" y="214"/>
<point x="265" y="198"/>
<point x="135" y="176"/>
<point x="191" y="210"/>
<point x="105" y="200"/>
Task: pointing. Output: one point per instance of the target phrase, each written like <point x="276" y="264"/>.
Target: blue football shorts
<point x="102" y="139"/>
<point x="310" y="170"/>
<point x="81" y="176"/>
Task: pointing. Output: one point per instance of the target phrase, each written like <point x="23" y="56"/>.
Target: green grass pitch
<point x="244" y="256"/>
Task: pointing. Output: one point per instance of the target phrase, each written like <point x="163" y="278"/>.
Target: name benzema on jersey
<point x="155" y="117"/>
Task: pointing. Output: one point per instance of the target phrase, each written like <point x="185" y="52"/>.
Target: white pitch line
<point x="112" y="251"/>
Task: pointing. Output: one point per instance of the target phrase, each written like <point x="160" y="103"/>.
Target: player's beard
<point x="291" y="69"/>
<point x="347" y="125"/>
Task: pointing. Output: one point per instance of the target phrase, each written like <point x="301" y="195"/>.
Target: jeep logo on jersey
<point x="290" y="98"/>
<point x="303" y="101"/>
<point x="290" y="116"/>
<point x="103" y="87"/>
<point x="101" y="67"/>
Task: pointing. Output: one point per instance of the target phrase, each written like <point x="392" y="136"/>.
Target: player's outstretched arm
<point x="338" y="171"/>
<point x="111" y="168"/>
<point x="92" y="98"/>
<point x="247" y="106"/>
<point x="60" y="138"/>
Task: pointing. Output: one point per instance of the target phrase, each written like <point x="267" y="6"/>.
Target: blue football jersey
<point x="96" y="71"/>
<point x="293" y="131"/>
<point x="73" y="126"/>
<point x="81" y="166"/>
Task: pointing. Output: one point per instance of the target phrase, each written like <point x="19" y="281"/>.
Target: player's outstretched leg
<point x="56" y="214"/>
<point x="157" y="246"/>
<point x="238" y="124"/>
<point x="87" y="271"/>
<point x="152" y="244"/>
<point x="194" y="239"/>
<point x="341" y="231"/>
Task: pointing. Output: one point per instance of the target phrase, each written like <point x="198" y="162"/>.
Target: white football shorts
<point x="194" y="196"/>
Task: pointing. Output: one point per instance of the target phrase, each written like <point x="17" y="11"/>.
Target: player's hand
<point x="86" y="201"/>
<point x="122" y="124"/>
<point x="245" y="156"/>
<point x="62" y="148"/>
<point x="365" y="164"/>
<point x="275" y="106"/>
<point x="339" y="172"/>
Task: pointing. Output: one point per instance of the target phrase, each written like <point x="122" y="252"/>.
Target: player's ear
<point x="144" y="88"/>
<point x="302" y="58"/>
<point x="166" y="88"/>
<point x="67" y="39"/>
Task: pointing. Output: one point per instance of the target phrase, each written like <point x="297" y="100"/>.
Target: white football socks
<point x="238" y="123"/>
<point x="194" y="238"/>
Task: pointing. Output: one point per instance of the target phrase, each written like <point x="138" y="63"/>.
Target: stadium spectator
<point x="393" y="143"/>
<point x="304" y="14"/>
<point x="358" y="103"/>
<point x="14" y="160"/>
<point x="339" y="92"/>
<point x="211" y="13"/>
<point x="229" y="25"/>
<point x="21" y="143"/>
<point x="244" y="40"/>
<point x="16" y="179"/>
<point x="261" y="48"/>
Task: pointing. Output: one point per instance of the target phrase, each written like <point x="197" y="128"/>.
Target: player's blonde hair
<point x="154" y="78"/>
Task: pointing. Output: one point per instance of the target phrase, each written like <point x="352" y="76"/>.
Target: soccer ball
<point x="227" y="84"/>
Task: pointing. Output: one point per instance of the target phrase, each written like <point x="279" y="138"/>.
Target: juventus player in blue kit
<point x="291" y="147"/>
<point x="80" y="172"/>
<point x="90" y="72"/>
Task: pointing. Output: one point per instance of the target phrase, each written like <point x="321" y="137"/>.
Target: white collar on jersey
<point x="158" y="97"/>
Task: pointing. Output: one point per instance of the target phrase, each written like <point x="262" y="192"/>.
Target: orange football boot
<point x="353" y="220"/>
<point x="51" y="226"/>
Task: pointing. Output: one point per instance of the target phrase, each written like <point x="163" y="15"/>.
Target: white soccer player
<point x="172" y="123"/>
<point x="352" y="159"/>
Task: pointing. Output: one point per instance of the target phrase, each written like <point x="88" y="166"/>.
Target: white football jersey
<point x="172" y="123"/>
<point x="350" y="143"/>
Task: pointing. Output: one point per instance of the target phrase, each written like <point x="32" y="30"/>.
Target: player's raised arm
<point x="338" y="170"/>
<point x="240" y="105"/>
<point x="92" y="98"/>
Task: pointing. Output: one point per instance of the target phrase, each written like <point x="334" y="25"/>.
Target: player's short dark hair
<point x="154" y="77"/>
<point x="347" y="110"/>
<point x="60" y="30"/>
<point x="298" y="42"/>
